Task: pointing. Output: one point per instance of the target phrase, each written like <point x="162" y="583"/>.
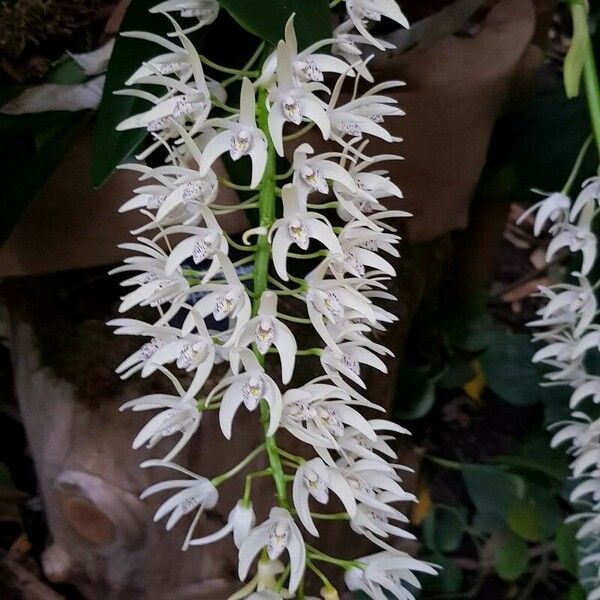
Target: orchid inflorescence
<point x="565" y="326"/>
<point x="226" y="317"/>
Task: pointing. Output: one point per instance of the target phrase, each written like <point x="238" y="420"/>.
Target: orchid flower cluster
<point x="565" y="326"/>
<point x="210" y="311"/>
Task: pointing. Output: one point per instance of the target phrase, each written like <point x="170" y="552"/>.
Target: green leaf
<point x="266" y="19"/>
<point x="512" y="559"/>
<point x="37" y="144"/>
<point x="524" y="520"/>
<point x="449" y="579"/>
<point x="67" y="72"/>
<point x="450" y="527"/>
<point x="444" y="526"/>
<point x="580" y="43"/>
<point x="566" y="547"/>
<point x="416" y="394"/>
<point x="509" y="371"/>
<point x="493" y="492"/>
<point x="576" y="593"/>
<point x="534" y="456"/>
<point x="110" y="147"/>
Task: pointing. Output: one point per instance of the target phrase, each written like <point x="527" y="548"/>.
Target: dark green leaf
<point x="32" y="158"/>
<point x="67" y="72"/>
<point x="110" y="147"/>
<point x="566" y="547"/>
<point x="509" y="371"/>
<point x="576" y="593"/>
<point x="535" y="456"/>
<point x="450" y="527"/>
<point x="266" y="19"/>
<point x="449" y="579"/>
<point x="493" y="492"/>
<point x="523" y="519"/>
<point x="512" y="559"/>
<point x="416" y="392"/>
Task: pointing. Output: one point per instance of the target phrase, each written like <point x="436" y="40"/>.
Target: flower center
<point x="312" y="176"/>
<point x="298" y="232"/>
<point x="225" y="305"/>
<point x="278" y="539"/>
<point x="330" y="421"/>
<point x="264" y="335"/>
<point x="204" y="248"/>
<point x="240" y="143"/>
<point x="291" y="110"/>
<point x="252" y="392"/>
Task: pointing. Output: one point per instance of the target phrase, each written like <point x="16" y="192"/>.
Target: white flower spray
<point x="565" y="327"/>
<point x="194" y="277"/>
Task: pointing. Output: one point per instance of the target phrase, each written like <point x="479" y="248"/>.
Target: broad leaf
<point x="37" y="144"/>
<point x="110" y="147"/>
<point x="266" y="19"/>
<point x="509" y="371"/>
<point x="493" y="492"/>
<point x="566" y="547"/>
<point x="512" y="559"/>
<point x="524" y="520"/>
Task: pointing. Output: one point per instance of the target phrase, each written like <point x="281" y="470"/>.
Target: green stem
<point x="577" y="165"/>
<point x="228" y="70"/>
<point x="579" y="11"/>
<point x="592" y="90"/>
<point x="216" y="481"/>
<point x="266" y="209"/>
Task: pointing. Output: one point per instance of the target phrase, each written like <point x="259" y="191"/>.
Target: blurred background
<point x="487" y="120"/>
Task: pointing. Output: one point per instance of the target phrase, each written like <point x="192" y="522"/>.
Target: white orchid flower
<point x="266" y="330"/>
<point x="290" y="103"/>
<point x="205" y="11"/>
<point x="314" y="478"/>
<point x="306" y="65"/>
<point x="196" y="494"/>
<point x="176" y="61"/>
<point x="264" y="595"/>
<point x="190" y="198"/>
<point x="227" y="300"/>
<point x="361" y="11"/>
<point x="201" y="244"/>
<point x="240" y="521"/>
<point x="369" y="188"/>
<point x="335" y="302"/>
<point x="576" y="239"/>
<point x="590" y="388"/>
<point x="312" y="174"/>
<point x="153" y="285"/>
<point x="369" y="480"/>
<point x="553" y="209"/>
<point x="362" y="115"/>
<point x="181" y="415"/>
<point x="158" y="334"/>
<point x="185" y="102"/>
<point x="347" y="360"/>
<point x="276" y="534"/>
<point x="240" y="137"/>
<point x="376" y="524"/>
<point x="588" y="198"/>
<point x="191" y="352"/>
<point x="319" y="414"/>
<point x="247" y="388"/>
<point x="347" y="45"/>
<point x="569" y="303"/>
<point x="356" y="444"/>
<point x="386" y="573"/>
<point x="298" y="226"/>
<point x="148" y="197"/>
